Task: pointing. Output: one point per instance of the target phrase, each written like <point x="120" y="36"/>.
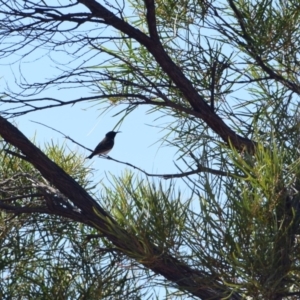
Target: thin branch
<point x="22" y="197"/>
<point x="15" y="154"/>
<point x="59" y="103"/>
<point x="28" y="210"/>
<point x="212" y="86"/>
<point x="199" y="169"/>
<point x="65" y="136"/>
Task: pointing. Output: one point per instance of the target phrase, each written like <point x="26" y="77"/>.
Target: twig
<point x="199" y="169"/>
<point x="67" y="137"/>
<point x="15" y="154"/>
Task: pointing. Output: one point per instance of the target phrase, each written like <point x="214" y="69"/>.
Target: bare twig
<point x="15" y="154"/>
<point x="65" y="136"/>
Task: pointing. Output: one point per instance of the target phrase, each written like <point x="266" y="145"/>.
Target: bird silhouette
<point x="105" y="145"/>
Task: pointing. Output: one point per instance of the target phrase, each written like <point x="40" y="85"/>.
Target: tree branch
<point x="151" y="20"/>
<point x="173" y="71"/>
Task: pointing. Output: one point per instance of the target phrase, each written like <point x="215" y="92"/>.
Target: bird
<point x="105" y="145"/>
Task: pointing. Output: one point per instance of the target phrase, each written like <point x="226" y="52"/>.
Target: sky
<point x="86" y="123"/>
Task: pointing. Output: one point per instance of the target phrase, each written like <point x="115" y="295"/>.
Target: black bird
<point x="105" y="145"/>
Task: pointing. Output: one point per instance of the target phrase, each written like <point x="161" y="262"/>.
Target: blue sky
<point x="87" y="124"/>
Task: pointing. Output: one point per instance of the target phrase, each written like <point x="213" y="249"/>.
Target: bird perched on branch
<point x="105" y="145"/>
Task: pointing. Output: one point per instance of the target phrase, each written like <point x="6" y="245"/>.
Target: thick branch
<point x="151" y="20"/>
<point x="170" y="68"/>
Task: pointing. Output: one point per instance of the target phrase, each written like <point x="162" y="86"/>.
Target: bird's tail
<point x="90" y="156"/>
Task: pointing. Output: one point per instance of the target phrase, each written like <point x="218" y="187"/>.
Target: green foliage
<point x="154" y="214"/>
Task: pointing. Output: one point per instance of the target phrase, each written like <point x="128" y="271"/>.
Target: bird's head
<point x="112" y="134"/>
